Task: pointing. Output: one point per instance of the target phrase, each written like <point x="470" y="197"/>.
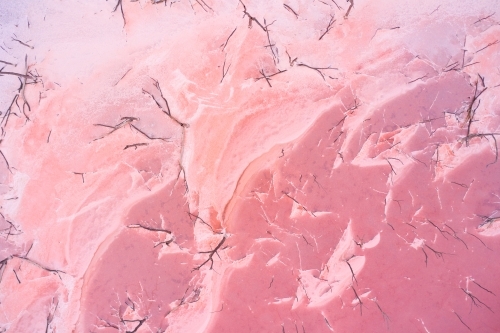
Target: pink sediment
<point x="361" y="196"/>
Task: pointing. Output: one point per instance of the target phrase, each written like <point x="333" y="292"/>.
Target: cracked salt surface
<point x="255" y="166"/>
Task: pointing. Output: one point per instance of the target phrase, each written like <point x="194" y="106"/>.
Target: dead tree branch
<point x="328" y="27"/>
<point x="287" y="7"/>
<point x="349" y="9"/>
<point x="227" y="40"/>
<point x="475" y="301"/>
<point x="268" y="77"/>
<point x="167" y="110"/>
<point x="317" y="69"/>
<point x="197" y="217"/>
<point x="460" y="318"/>
<point x="472" y="111"/>
<point x="119" y="4"/>
<point x="211" y="254"/>
<point x="298" y="203"/>
<point x="251" y="18"/>
<point x="359" y="300"/>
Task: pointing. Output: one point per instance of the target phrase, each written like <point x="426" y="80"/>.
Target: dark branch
<point x="119" y="4"/>
<point x="317" y="69"/>
<point x="211" y="254"/>
<point x="460" y="318"/>
<point x="135" y="145"/>
<point x="328" y="27"/>
<point x="148" y="228"/>
<point x="227" y="40"/>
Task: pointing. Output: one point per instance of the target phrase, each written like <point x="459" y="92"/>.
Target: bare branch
<point x="477" y="284"/>
<point x="119" y="4"/>
<point x="490" y="44"/>
<point x="359" y="300"/>
<point x="460" y="318"/>
<point x="148" y="228"/>
<point x="135" y="145"/>
<point x="317" y="69"/>
<point x="227" y="40"/>
<point x="211" y="254"/>
<point x="291" y="10"/>
<point x="328" y="27"/>
<point x="349" y="9"/>
<point x="484" y="18"/>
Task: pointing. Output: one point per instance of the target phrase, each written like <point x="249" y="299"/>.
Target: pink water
<point x="173" y="170"/>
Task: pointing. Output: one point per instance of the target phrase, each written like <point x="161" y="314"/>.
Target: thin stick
<point x="317" y="69"/>
<point x="328" y="27"/>
<point x="460" y="318"/>
<point x="135" y="145"/>
<point x="224" y="71"/>
<point x="22" y="43"/>
<point x="349" y="9"/>
<point x="251" y="18"/>
<point x="227" y="40"/>
<point x="7" y="63"/>
<point x="490" y="44"/>
<point x="359" y="300"/>
<point x="291" y="10"/>
<point x="484" y="288"/>
<point x="484" y="18"/>
<point x="148" y="228"/>
<point x="119" y="3"/>
<point x="16" y="74"/>
<point x="420" y="78"/>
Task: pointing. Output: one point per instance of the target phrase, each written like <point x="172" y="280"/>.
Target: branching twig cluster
<point x="485" y="135"/>
<point x="24" y="257"/>
<point x="127" y="121"/>
<point x="197" y="217"/>
<point x="8" y="231"/>
<point x="23" y="80"/>
<point x="227" y="40"/>
<point x="50" y="315"/>
<point x="224" y="70"/>
<point x="211" y="253"/>
<point x="351" y="5"/>
<point x="264" y="27"/>
<point x="166" y="110"/>
<point x="438" y="254"/>
<point x="488" y="220"/>
<point x="475" y="301"/>
<point x="127" y="325"/>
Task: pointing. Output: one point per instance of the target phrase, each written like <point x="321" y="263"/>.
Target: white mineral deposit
<point x="253" y="166"/>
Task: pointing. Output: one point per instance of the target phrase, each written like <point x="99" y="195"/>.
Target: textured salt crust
<point x="347" y="200"/>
